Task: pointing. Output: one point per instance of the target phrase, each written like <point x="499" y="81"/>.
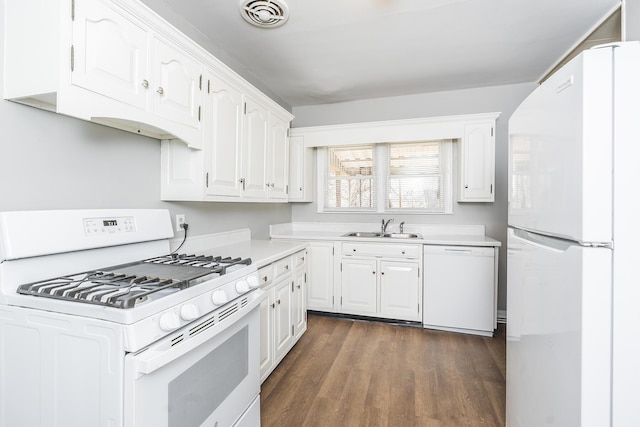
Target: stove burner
<point x="126" y="285"/>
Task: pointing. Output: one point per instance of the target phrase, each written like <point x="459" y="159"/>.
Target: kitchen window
<point x="399" y="177"/>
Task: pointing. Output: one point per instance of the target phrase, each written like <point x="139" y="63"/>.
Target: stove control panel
<point x="115" y="225"/>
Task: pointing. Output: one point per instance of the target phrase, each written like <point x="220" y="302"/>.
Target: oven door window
<point x="211" y="384"/>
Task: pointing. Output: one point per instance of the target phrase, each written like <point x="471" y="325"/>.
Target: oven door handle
<point x="162" y="353"/>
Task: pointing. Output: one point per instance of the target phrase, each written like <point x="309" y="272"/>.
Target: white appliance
<point x="101" y="325"/>
<point x="572" y="287"/>
<point x="459" y="290"/>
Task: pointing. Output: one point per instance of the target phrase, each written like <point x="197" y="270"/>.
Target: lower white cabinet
<point x="385" y="283"/>
<point x="359" y="286"/>
<point x="283" y="311"/>
<point x="400" y="286"/>
<point x="320" y="293"/>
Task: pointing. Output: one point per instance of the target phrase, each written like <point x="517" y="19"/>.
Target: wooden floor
<point x="346" y="373"/>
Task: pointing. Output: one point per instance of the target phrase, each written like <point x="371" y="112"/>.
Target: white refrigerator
<point x="573" y="246"/>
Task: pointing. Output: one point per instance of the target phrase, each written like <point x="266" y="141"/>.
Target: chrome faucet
<point x="402" y="227"/>
<point x="385" y="224"/>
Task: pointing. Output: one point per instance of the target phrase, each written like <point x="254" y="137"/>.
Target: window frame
<point x="381" y="162"/>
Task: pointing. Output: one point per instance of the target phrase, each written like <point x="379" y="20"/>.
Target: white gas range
<point x="101" y="325"/>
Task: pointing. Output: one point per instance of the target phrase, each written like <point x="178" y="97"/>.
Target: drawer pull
<point x="373" y="272"/>
<point x="264" y="279"/>
<point x="273" y="305"/>
<point x="286" y="267"/>
<point x="278" y="301"/>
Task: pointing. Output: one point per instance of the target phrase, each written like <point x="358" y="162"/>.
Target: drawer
<point x="265" y="275"/>
<point x="299" y="259"/>
<point x="282" y="267"/>
<point x="386" y="250"/>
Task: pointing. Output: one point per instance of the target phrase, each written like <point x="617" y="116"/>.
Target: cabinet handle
<point x="466" y="186"/>
<point x="273" y="185"/>
<point x="382" y="273"/>
<point x="402" y="252"/>
<point x="298" y="286"/>
<point x="273" y="305"/>
<point x="145" y="83"/>
<point x="354" y="250"/>
<point x="278" y="301"/>
<point x="264" y="279"/>
<point x="373" y="272"/>
<point x="242" y="181"/>
<point x="160" y="90"/>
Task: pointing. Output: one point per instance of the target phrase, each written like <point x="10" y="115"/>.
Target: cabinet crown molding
<point x="406" y="130"/>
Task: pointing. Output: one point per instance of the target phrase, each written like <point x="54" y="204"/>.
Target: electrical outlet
<point x="180" y="220"/>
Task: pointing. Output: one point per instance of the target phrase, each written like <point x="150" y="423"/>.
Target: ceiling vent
<point x="265" y="14"/>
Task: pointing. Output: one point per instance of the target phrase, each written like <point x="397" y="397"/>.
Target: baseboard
<point x="502" y="316"/>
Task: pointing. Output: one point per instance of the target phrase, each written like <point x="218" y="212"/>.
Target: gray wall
<point x="49" y="161"/>
<point x="502" y="99"/>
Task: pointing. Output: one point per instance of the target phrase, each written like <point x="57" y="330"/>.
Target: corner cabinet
<point x="476" y="163"/>
<point x="245" y="153"/>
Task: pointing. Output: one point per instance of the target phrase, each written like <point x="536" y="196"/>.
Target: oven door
<point x="205" y="375"/>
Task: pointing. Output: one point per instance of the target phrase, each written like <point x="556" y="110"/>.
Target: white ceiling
<point x="342" y="50"/>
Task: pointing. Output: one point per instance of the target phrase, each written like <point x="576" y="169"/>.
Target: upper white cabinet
<point x="176" y="86"/>
<point x="111" y="62"/>
<point x="476" y="166"/>
<point x="110" y="54"/>
<point x="255" y="150"/>
<point x="300" y="169"/>
<point x="224" y="107"/>
<point x="245" y="155"/>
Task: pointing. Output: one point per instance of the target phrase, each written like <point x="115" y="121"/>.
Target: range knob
<point x="253" y="282"/>
<point x="219" y="297"/>
<point x="189" y="312"/>
<point x="169" y="321"/>
<point x="242" y="287"/>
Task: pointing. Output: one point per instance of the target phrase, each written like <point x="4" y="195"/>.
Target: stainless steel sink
<point x="362" y="234"/>
<point x="376" y="234"/>
<point x="402" y="235"/>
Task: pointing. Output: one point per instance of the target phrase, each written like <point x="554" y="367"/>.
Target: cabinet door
<point x="299" y="304"/>
<point x="400" y="290"/>
<point x="320" y="287"/>
<point x="223" y="111"/>
<point x="283" y="333"/>
<point x="254" y="150"/>
<point x="477" y="163"/>
<point x="278" y="158"/>
<point x="300" y="171"/>
<point x="359" y="287"/>
<point x="110" y="53"/>
<point x="176" y="85"/>
<point x="266" y="334"/>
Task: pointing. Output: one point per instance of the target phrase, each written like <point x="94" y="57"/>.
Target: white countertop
<point x="454" y="235"/>
<point x="238" y="243"/>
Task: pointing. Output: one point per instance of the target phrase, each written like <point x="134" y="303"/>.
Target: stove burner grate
<point x="126" y="285"/>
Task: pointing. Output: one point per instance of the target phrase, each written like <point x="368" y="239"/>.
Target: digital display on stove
<point x="110" y="223"/>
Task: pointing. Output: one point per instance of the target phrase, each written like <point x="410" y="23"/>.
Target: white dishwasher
<point x="459" y="289"/>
